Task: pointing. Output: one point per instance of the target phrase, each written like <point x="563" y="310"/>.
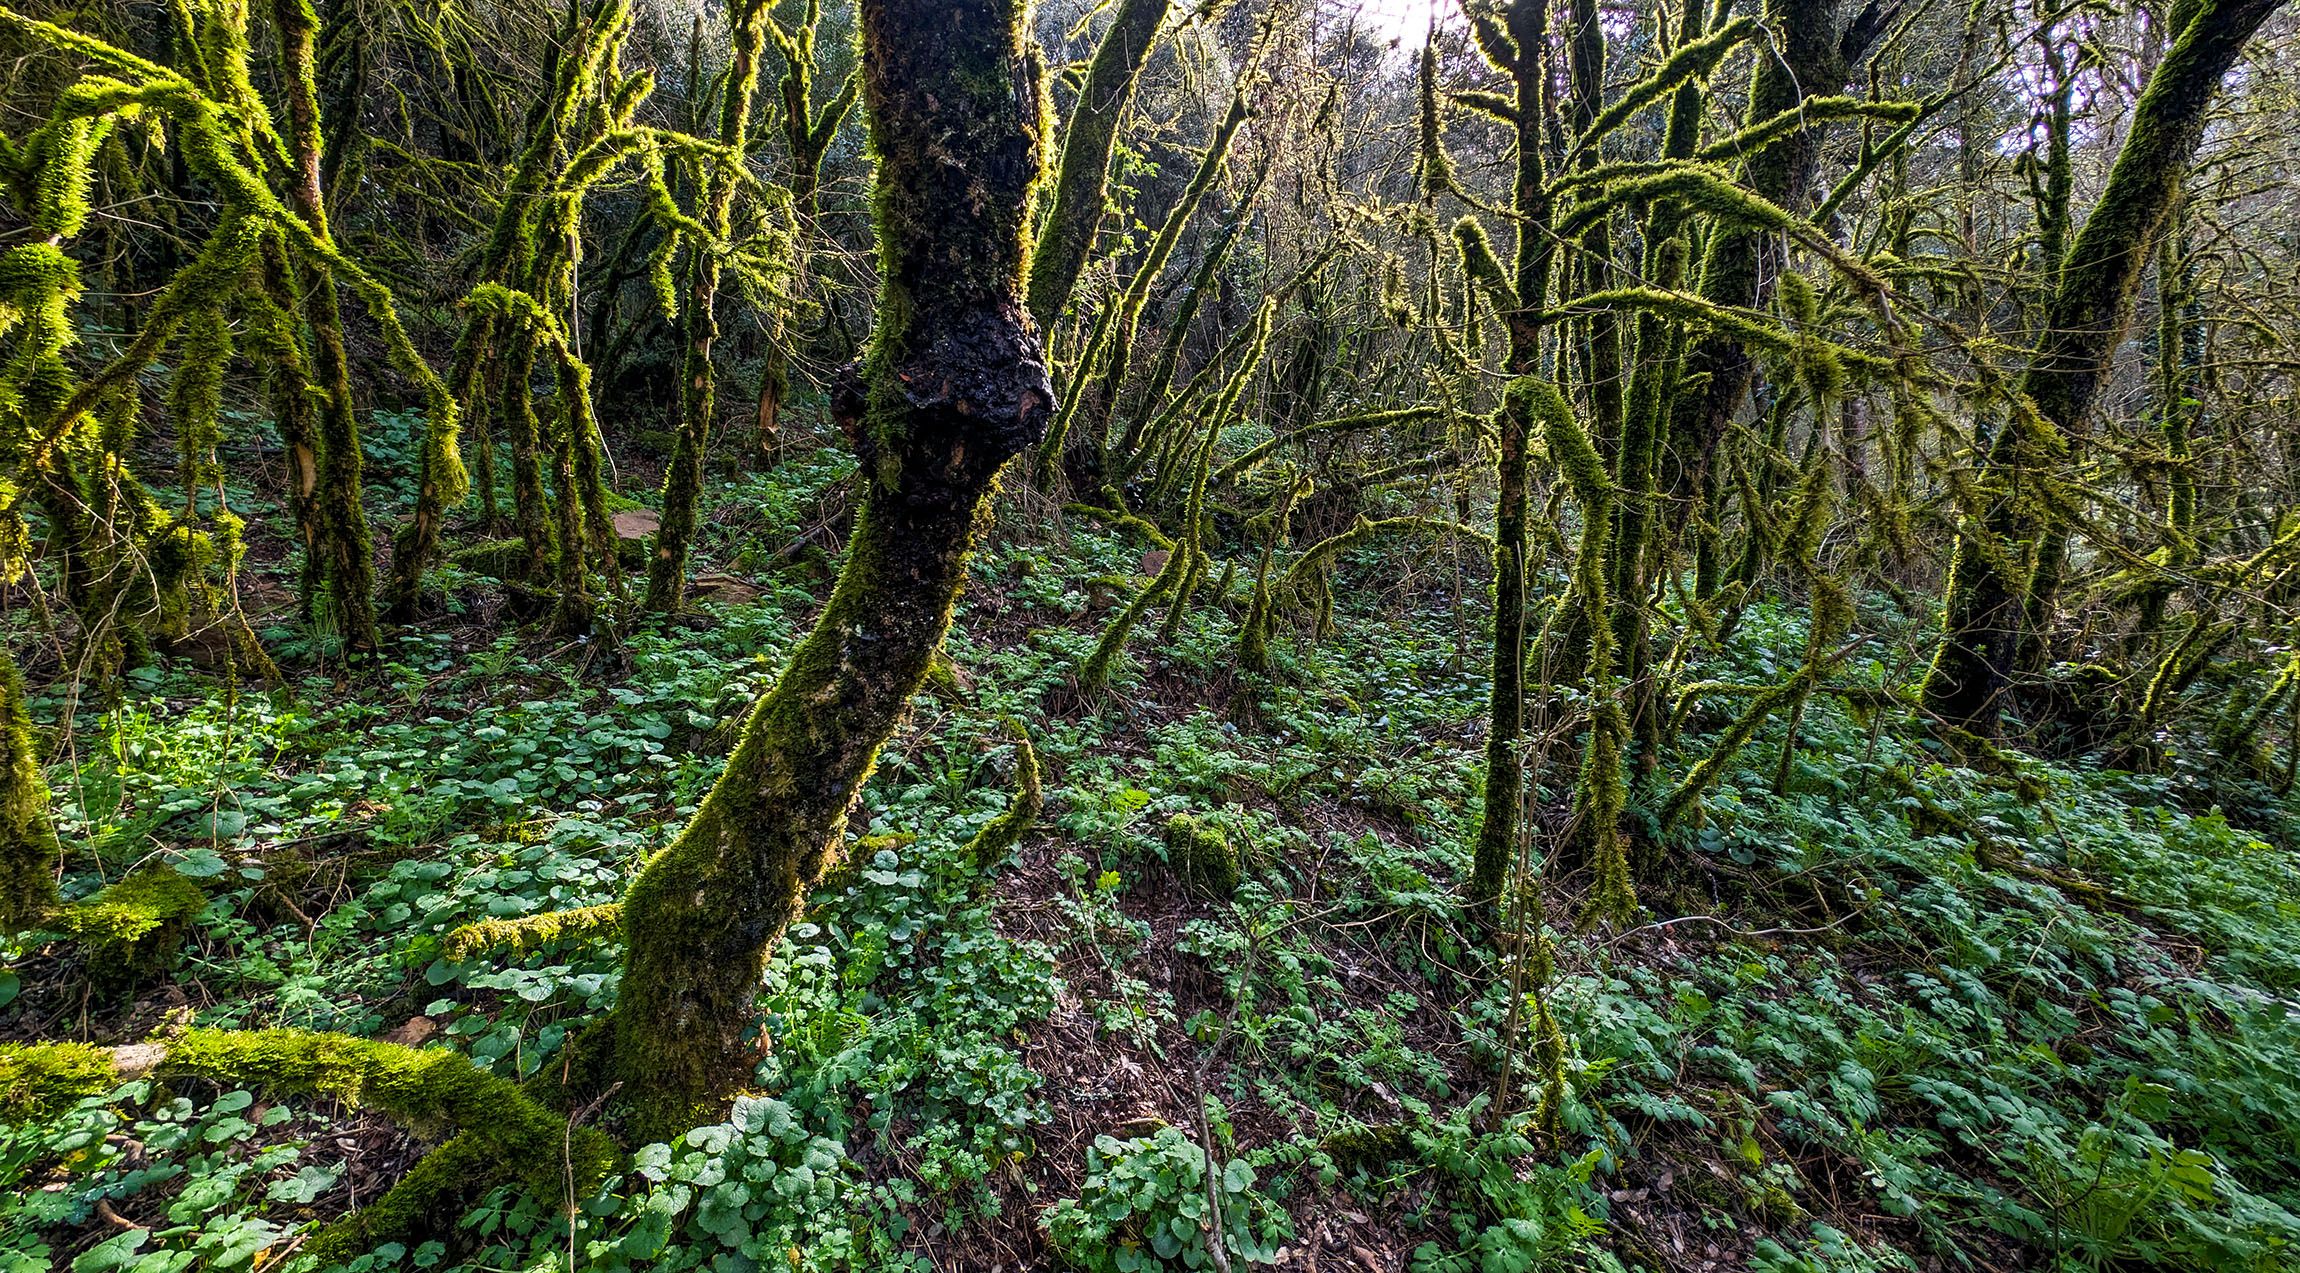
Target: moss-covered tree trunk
<point x="1528" y="25"/>
<point x="339" y="504"/>
<point x="27" y="836"/>
<point x="1656" y="357"/>
<point x="277" y="338"/>
<point x="1986" y="639"/>
<point x="1082" y="176"/>
<point x="699" y="321"/>
<point x="954" y="386"/>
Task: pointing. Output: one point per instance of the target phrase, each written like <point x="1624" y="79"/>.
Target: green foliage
<point x="1147" y="1204"/>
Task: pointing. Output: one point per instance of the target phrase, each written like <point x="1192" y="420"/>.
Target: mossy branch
<point x="1390" y="418"/>
<point x="1317" y="555"/>
<point x="1809" y="113"/>
<point x="534" y="932"/>
<point x="998" y="836"/>
<point x="1705" y="774"/>
<point x="1692" y="60"/>
<point x="498" y="1135"/>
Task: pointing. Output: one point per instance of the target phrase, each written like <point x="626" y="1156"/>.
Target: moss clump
<point x="51" y="1076"/>
<point x="1367" y="1147"/>
<point x="494" y="558"/>
<point x="943" y="680"/>
<point x="136" y="927"/>
<point x="534" y="932"/>
<point x="1201" y="852"/>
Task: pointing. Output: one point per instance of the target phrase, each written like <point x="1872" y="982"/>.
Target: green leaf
<point x="112" y="1253"/>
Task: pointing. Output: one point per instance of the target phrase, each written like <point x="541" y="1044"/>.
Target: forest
<point x="1387" y="636"/>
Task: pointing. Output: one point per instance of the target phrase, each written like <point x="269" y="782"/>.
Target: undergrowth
<point x="1928" y="1016"/>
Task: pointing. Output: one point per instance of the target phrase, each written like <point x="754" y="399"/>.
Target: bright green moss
<point x="534" y="932"/>
<point x="494" y="558"/>
<point x="1202" y="854"/>
<point x="27" y="838"/>
<point x="1482" y="266"/>
<point x="40" y="1078"/>
<point x="136" y="927"/>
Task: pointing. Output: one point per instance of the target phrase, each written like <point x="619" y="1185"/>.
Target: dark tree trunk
<point x="954" y="386"/>
<point x="1504" y="763"/>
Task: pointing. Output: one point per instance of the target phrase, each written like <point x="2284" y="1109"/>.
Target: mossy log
<point x="533" y="932"/>
<point x="496" y="1135"/>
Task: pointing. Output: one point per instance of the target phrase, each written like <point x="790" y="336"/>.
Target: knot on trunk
<point x="950" y="414"/>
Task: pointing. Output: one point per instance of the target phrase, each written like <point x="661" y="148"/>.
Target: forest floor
<point x="1903" y="1013"/>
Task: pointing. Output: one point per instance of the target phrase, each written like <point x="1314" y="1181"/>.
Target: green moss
<point x="1365" y="1147"/>
<point x="534" y="932"/>
<point x="1202" y="854"/>
<point x="504" y="559"/>
<point x="942" y="679"/>
<point x="1082" y="175"/>
<point x="28" y="846"/>
<point x="39" y="1079"/>
<point x="135" y="927"/>
<point x="1482" y="266"/>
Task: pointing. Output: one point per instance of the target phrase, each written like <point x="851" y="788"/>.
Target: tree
<point x="1991" y="617"/>
<point x="699" y="322"/>
<point x="953" y="386"/>
<point x="1083" y="174"/>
